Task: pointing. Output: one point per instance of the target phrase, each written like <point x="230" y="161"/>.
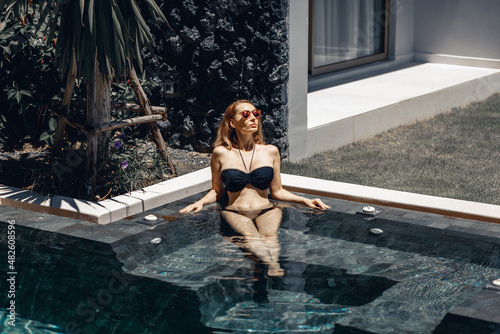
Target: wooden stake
<point x="122" y="106"/>
<point x="111" y="125"/>
<point x="146" y="108"/>
<point x="127" y="122"/>
<point x="68" y="93"/>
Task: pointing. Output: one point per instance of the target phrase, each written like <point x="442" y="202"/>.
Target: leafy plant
<point x="135" y="163"/>
<point x="15" y="95"/>
<point x="29" y="80"/>
<point x="48" y="136"/>
<point x="102" y="39"/>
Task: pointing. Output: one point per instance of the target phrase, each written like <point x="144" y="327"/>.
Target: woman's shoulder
<point x="220" y="151"/>
<point x="271" y="149"/>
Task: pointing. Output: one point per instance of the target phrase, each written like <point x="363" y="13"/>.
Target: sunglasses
<point x="246" y="113"/>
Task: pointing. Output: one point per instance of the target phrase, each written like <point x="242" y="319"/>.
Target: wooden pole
<point x="98" y="113"/>
<point x="127" y="122"/>
<point x="155" y="131"/>
<point x="123" y="106"/>
<point x="66" y="102"/>
<point x="111" y="125"/>
<point x="136" y="107"/>
<point x="71" y="123"/>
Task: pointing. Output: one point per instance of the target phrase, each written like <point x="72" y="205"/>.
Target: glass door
<point x="347" y="33"/>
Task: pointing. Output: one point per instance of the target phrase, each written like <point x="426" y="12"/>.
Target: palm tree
<point x="101" y="41"/>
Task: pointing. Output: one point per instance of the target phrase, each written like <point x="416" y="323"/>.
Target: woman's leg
<point x="268" y="224"/>
<point x="245" y="226"/>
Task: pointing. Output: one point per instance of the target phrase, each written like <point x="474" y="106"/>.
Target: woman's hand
<point x="196" y="206"/>
<point x="316" y="203"/>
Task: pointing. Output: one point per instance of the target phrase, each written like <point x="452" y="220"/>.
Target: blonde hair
<point x="226" y="135"/>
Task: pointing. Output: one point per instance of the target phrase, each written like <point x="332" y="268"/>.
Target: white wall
<point x="297" y="82"/>
<point x="458" y="28"/>
<point x="401" y="51"/>
<point x="401" y="30"/>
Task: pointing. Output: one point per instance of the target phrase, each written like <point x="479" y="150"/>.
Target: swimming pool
<point x="184" y="277"/>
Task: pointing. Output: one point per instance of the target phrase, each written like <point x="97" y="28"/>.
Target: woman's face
<point x="246" y="124"/>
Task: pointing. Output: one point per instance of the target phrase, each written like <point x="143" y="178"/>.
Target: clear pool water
<point x="339" y="278"/>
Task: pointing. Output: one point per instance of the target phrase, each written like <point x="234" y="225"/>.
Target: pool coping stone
<point x="119" y="207"/>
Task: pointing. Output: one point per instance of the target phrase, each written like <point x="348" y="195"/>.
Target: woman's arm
<point x="279" y="193"/>
<point x="217" y="191"/>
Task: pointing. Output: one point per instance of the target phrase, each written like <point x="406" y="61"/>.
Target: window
<point x="347" y="33"/>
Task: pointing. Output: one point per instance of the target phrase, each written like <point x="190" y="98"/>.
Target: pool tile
<point x="462" y="223"/>
<point x="465" y="309"/>
<point x="439" y="225"/>
<point x="6" y="212"/>
<point x="407" y="219"/>
<point x="455" y="231"/>
<point x="484" y="305"/>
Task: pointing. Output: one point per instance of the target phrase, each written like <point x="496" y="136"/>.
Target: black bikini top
<point x="234" y="179"/>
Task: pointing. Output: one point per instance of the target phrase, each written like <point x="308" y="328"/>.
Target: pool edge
<point x="138" y="201"/>
<point x="393" y="198"/>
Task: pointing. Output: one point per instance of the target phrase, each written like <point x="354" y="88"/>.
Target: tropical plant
<point x="114" y="30"/>
<point x="28" y="81"/>
<point x="101" y="41"/>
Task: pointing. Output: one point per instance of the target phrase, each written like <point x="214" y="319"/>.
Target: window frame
<point x="313" y="71"/>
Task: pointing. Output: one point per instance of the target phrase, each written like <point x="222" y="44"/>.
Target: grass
<point x="454" y="155"/>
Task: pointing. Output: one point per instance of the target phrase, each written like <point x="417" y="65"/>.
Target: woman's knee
<point x="270" y="237"/>
<point x="252" y="235"/>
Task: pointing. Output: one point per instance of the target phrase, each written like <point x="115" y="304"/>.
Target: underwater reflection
<point x="255" y="232"/>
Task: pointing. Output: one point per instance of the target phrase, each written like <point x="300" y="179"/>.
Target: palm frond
<point x="115" y="29"/>
<point x="8" y="7"/>
<point x="91" y="17"/>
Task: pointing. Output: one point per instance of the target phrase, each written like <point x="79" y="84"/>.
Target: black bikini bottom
<point x="255" y="212"/>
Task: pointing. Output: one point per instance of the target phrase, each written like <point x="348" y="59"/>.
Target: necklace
<point x="251" y="160"/>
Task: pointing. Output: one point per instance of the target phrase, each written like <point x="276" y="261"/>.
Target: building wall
<point x="458" y="27"/>
<point x="219" y="51"/>
<point x="402" y="30"/>
<point x="298" y="20"/>
<point x="460" y="32"/>
<point x="401" y="43"/>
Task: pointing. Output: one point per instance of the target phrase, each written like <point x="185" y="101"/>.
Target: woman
<point x="244" y="167"/>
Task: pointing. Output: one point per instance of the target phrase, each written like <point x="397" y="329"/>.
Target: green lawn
<point x="455" y="155"/>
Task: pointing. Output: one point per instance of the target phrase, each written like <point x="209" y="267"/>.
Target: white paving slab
<point x="112" y="209"/>
<point x="360" y="110"/>
<point x="358" y="97"/>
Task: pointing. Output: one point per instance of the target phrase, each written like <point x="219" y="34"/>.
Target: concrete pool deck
<point x="346" y="112"/>
<point x="478" y="314"/>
